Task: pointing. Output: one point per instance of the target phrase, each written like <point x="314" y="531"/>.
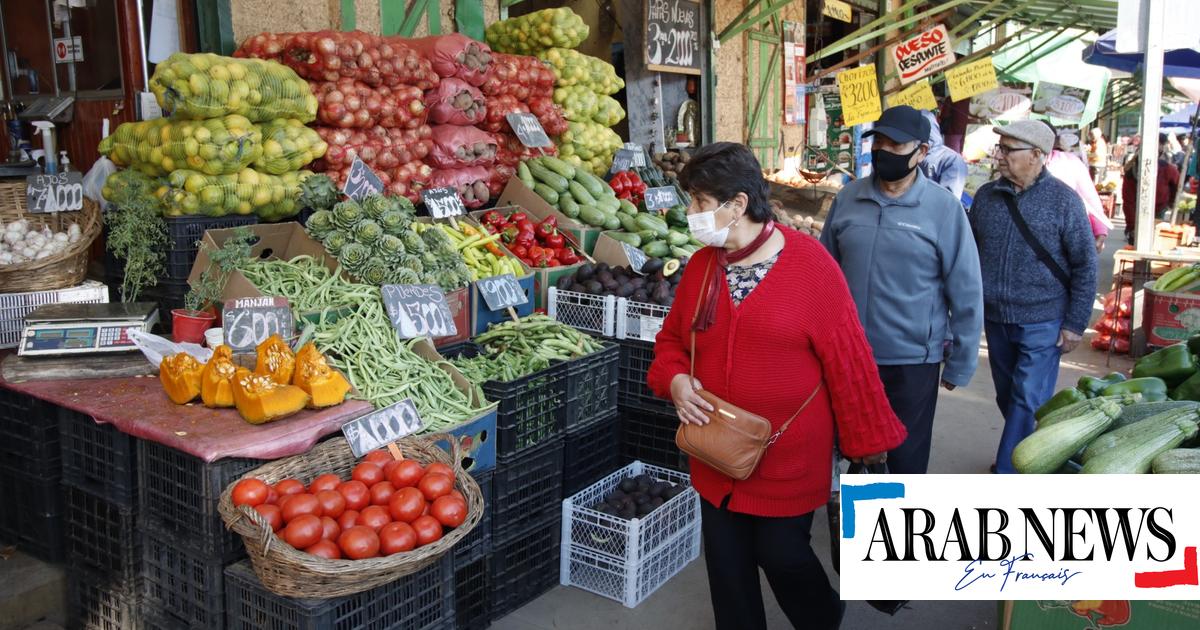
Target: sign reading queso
<point x="924" y="54"/>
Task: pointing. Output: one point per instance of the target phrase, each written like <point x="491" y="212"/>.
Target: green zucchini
<point x="591" y="216"/>
<point x="650" y="222"/>
<point x="608" y="204"/>
<point x="1136" y="454"/>
<point x="1135" y="432"/>
<point x="675" y="239"/>
<point x="1177" y="461"/>
<point x="581" y="194"/>
<point x="549" y="177"/>
<point x="1107" y="404"/>
<point x="628" y="223"/>
<point x="592" y="183"/>
<point x="567" y="205"/>
<point x="1140" y="411"/>
<point x="546" y="192"/>
<point x="559" y="166"/>
<point x="626" y="237"/>
<point x="611" y="222"/>
<point x="1048" y="448"/>
<point x="627" y="207"/>
<point x="657" y="249"/>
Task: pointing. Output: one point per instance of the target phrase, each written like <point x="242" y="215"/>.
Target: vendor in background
<point x="1064" y="164"/>
<point x="1167" y="183"/>
<point x="1129" y="169"/>
<point x="943" y="165"/>
<point x="1097" y="156"/>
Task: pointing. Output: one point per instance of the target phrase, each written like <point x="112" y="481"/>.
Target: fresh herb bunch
<point x="137" y="235"/>
<point x="223" y="261"/>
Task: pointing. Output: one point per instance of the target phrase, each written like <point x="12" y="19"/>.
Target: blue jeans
<point x="1024" y="361"/>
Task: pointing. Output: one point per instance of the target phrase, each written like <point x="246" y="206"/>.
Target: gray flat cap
<point x="1032" y="132"/>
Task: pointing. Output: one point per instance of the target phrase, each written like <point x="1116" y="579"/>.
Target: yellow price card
<point x="970" y="79"/>
<point x="859" y="90"/>
<point x="917" y="96"/>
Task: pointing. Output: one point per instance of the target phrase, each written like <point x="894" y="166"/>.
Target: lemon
<point x="194" y="183"/>
<point x="262" y="196"/>
<point x="248" y="176"/>
<point x="198" y="85"/>
<point x="236" y="71"/>
<point x="245" y="208"/>
<point x="191" y="147"/>
<point x="219" y="73"/>
<point x="212" y="196"/>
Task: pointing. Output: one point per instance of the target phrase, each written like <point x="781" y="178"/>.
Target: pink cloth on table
<point x="1074" y="173"/>
<point x="139" y="407"/>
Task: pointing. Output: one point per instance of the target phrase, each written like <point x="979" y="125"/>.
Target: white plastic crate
<point x="627" y="560"/>
<point x="639" y="320"/>
<point x="15" y="306"/>
<point x="589" y="313"/>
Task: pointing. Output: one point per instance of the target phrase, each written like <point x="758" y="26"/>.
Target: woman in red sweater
<point x="780" y="324"/>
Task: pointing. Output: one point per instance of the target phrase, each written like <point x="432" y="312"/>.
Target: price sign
<point x="418" y="310"/>
<point x="250" y="321"/>
<point x="361" y="181"/>
<point x="636" y="257"/>
<point x="838" y="10"/>
<point x="54" y="193"/>
<point x="649" y="328"/>
<point x="528" y="129"/>
<point x="859" y="90"/>
<point x="660" y="198"/>
<point x="382" y="427"/>
<point x="970" y="79"/>
<point x="443" y="202"/>
<point x="626" y="159"/>
<point x="673" y="36"/>
<point x="501" y="292"/>
<point x="917" y="96"/>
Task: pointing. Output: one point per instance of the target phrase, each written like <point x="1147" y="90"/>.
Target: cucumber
<point x="611" y="222"/>
<point x="546" y="192"/>
<point x="626" y="237"/>
<point x="590" y="182"/>
<point x="524" y="174"/>
<point x="628" y="223"/>
<point x="581" y="194"/>
<point x="680" y="253"/>
<point x="1177" y="461"/>
<point x="657" y="249"/>
<point x="592" y="216"/>
<point x="650" y="222"/>
<point x="549" y="177"/>
<point x="648" y="235"/>
<point x="627" y="207"/>
<point x="608" y="204"/>
<point x="560" y="167"/>
<point x="675" y="239"/>
<point x="568" y="206"/>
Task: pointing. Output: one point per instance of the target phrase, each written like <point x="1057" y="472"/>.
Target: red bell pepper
<point x="553" y="263"/>
<point x="536" y="251"/>
<point x="491" y="217"/>
<point x="520" y="251"/>
<point x="551" y="220"/>
<point x="619" y="183"/>
<point x="545" y="230"/>
<point x="525" y="225"/>
<point x="517" y="217"/>
<point x="568" y="257"/>
<point x="510" y="233"/>
<point x="553" y="240"/>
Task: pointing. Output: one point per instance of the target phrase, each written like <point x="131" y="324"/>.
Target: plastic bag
<point x="333" y="55"/>
<point x="454" y="102"/>
<point x="93" y="182"/>
<point x="471" y="183"/>
<point x="456" y="56"/>
<point x="213" y="147"/>
<point x="157" y="348"/>
<point x="379" y="148"/>
<point x="351" y="104"/>
<point x="247" y="192"/>
<point x="288" y="145"/>
<point x="202" y="86"/>
<point x="457" y="147"/>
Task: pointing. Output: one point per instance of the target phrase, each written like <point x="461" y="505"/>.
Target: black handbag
<point x="834" y="511"/>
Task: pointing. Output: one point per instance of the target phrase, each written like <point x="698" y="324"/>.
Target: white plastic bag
<point x="155" y="348"/>
<point x="93" y="182"/>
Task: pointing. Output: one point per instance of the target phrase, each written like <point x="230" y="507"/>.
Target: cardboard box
<point x="1079" y="615"/>
<point x="609" y="250"/>
<point x="543" y="277"/>
<point x="282" y="241"/>
<point x="516" y="193"/>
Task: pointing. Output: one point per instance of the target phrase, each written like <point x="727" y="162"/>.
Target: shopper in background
<point x="1174" y="152"/>
<point x="1066" y="166"/>
<point x="1039" y="276"/>
<point x="773" y="322"/>
<point x="1129" y="186"/>
<point x="1098" y="156"/>
<point x="1166" y="185"/>
<point x="905" y="246"/>
<point x="942" y="164"/>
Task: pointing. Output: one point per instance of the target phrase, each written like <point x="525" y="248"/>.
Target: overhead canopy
<point x="1184" y="62"/>
<point x="1055" y="58"/>
<point x="1181" y="119"/>
<point x="1092" y="15"/>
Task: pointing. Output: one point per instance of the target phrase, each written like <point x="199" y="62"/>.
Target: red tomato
<point x="458" y="495"/>
<point x="289" y="486"/>
<point x="328" y="481"/>
<point x="368" y="473"/>
<point x="449" y="511"/>
<point x="327" y="549"/>
<point x="396" y="537"/>
<point x="272" y="515"/>
<point x="359" y="542"/>
<point x="374" y="516"/>
<point x="272" y="495"/>
<point x="381" y="493"/>
<point x="379" y="457"/>
<point x="348" y="519"/>
<point x="330" y="530"/>
<point x="252" y="492"/>
<point x="439" y="468"/>
<point x="406" y="505"/>
<point x="303" y="531"/>
<point x="301" y="504"/>
<point x="425" y="512"/>
<point x="407" y="474"/>
<point x="435" y="485"/>
<point x="332" y="503"/>
<point x="390" y="466"/>
<point x="428" y="530"/>
<point x="356" y="494"/>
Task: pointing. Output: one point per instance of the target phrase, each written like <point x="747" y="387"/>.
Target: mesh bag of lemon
<point x="213" y="147"/>
<point x="608" y="111"/>
<point x="579" y="102"/>
<point x="537" y="31"/>
<point x="288" y="145"/>
<point x="590" y="145"/>
<point x="126" y="185"/>
<point x="271" y="197"/>
<point x="203" y="85"/>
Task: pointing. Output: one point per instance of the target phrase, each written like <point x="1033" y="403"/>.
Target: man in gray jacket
<point x="905" y="247"/>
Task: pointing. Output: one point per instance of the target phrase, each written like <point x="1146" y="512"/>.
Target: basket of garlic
<point x="41" y="252"/>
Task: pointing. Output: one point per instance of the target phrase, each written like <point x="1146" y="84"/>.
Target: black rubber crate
<point x="93" y="603"/>
<point x="423" y="600"/>
<point x="29" y="439"/>
<point x="178" y="495"/>
<point x="479" y="542"/>
<point x="650" y="438"/>
<point x="472" y="594"/>
<point x="592" y="385"/>
<point x="525" y="567"/>
<point x="532" y="409"/>
<point x="32" y="517"/>
<point x="98" y="459"/>
<point x="186" y="586"/>
<point x="184" y="232"/>
<point x="528" y="491"/>
<point x="102" y="538"/>
<point x="632" y="392"/>
<point x="590" y="452"/>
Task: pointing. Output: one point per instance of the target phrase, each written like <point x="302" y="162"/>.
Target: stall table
<point x="1142" y="267"/>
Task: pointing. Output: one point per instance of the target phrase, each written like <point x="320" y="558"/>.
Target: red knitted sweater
<point x="796" y="329"/>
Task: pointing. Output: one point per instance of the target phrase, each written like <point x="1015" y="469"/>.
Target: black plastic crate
<point x="650" y="438"/>
<point x="98" y="458"/>
<point x="423" y="600"/>
<point x="592" y="385"/>
<point x="187" y="586"/>
<point x="528" y="491"/>
<point x="184" y="233"/>
<point x="590" y="452"/>
<point x="94" y="603"/>
<point x="29" y="438"/>
<point x="525" y="567"/>
<point x="478" y="543"/>
<point x="632" y="392"/>
<point x="532" y="409"/>
<point x="178" y="495"/>
<point x="102" y="538"/>
<point x="32" y="518"/>
<point x="472" y="594"/>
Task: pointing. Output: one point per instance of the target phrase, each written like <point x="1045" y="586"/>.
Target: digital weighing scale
<point x="66" y="329"/>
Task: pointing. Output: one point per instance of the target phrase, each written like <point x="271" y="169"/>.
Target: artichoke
<point x="390" y="247"/>
<point x="318" y="192"/>
<point x="412" y="242"/>
<point x="395" y="222"/>
<point x="347" y="214"/>
<point x="375" y="206"/>
<point x="367" y="232"/>
<point x="335" y="241"/>
<point x="354" y="255"/>
<point x="320" y="224"/>
<point x="413" y="262"/>
<point x="406" y="276"/>
<point x="373" y="273"/>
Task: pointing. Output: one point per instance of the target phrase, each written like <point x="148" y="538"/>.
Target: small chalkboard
<point x="250" y="321"/>
<point x="672" y="36"/>
<point x="528" y="129"/>
<point x="443" y="202"/>
<point x="361" y="181"/>
<point x="418" y="310"/>
<point x="660" y="198"/>
<point x="501" y="292"/>
<point x="54" y="193"/>
<point x="382" y="427"/>
<point x="626" y="159"/>
<point x="636" y="257"/>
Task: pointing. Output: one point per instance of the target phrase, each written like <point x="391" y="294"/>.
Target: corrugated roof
<point x="1095" y="15"/>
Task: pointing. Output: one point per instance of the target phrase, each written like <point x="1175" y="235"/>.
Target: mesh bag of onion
<point x="353" y="104"/>
<point x="332" y="55"/>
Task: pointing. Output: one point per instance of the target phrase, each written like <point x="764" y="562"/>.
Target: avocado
<point x="658" y="488"/>
<point x="594" y="287"/>
<point x="652" y="265"/>
<point x="628" y="486"/>
<point x="625" y="290"/>
<point x="656" y="502"/>
<point x="601" y="267"/>
<point x="662" y="294"/>
<point x="640" y="295"/>
<point x="627" y="514"/>
<point x="604" y="277"/>
<point x="638" y="282"/>
<point x="640" y="498"/>
<point x="645" y="509"/>
<point x="615" y="495"/>
<point x="578" y="288"/>
<point x="564" y="283"/>
<point x="585" y="272"/>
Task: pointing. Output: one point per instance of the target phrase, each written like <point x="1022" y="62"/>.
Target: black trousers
<point x="912" y="391"/>
<point x="736" y="545"/>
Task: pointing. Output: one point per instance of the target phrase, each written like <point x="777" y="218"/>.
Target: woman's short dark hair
<point x="721" y="170"/>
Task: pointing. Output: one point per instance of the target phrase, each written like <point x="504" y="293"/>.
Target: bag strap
<point x="794" y="416"/>
<point x="1034" y="244"/>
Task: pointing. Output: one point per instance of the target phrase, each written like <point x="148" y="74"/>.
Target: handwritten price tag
<point x="418" y="310"/>
<point x="528" y="129"/>
<point x="443" y="202"/>
<point x="916" y="96"/>
<point x="660" y="198"/>
<point x="250" y="321"/>
<point x="970" y="79"/>
<point x="637" y="258"/>
<point x="54" y="193"/>
<point x="673" y="36"/>
<point x="382" y="427"/>
<point x="859" y="90"/>
<point x="501" y="292"/>
<point x="361" y="181"/>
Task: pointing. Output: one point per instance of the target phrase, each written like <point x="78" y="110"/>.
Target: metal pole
<point x="1151" y="107"/>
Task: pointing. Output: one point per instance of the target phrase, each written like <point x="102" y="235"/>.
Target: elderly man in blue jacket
<point x="905" y="247"/>
<point x="1039" y="276"/>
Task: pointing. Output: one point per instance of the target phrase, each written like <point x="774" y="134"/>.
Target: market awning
<point x="1181" y="119"/>
<point x="1183" y="62"/>
<point x="1092" y="15"/>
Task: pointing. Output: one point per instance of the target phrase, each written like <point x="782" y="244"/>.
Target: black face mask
<point x="891" y="167"/>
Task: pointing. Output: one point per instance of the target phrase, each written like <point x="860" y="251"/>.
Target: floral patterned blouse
<point x="743" y="279"/>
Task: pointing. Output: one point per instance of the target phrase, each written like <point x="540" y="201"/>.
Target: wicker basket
<point x="286" y="571"/>
<point x="65" y="269"/>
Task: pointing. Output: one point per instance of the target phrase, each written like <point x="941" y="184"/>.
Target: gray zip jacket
<point x="913" y="269"/>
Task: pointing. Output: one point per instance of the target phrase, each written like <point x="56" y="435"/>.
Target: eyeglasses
<point x="1005" y="150"/>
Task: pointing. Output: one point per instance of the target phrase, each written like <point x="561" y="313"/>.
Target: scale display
<point x="62" y="329"/>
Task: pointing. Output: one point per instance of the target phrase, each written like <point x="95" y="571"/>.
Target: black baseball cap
<point x="902" y="124"/>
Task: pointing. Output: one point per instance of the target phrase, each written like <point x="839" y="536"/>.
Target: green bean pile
<point x="515" y="349"/>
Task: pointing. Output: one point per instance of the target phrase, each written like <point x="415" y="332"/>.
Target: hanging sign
<point x="54" y="193"/>
<point x="361" y="181"/>
<point x="528" y="129"/>
<point x="380" y="428"/>
<point x="923" y="55"/>
<point x="972" y="78"/>
<point x="838" y="10"/>
<point x="859" y="90"/>
<point x="418" y="310"/>
<point x="68" y="49"/>
<point x="673" y="36"/>
<point x="443" y="202"/>
<point x="917" y="96"/>
<point x="250" y="321"/>
<point x="501" y="292"/>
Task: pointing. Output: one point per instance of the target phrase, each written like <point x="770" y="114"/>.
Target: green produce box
<point x="518" y="194"/>
<point x="1097" y="615"/>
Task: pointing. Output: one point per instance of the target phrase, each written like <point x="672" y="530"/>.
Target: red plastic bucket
<point x="189" y="326"/>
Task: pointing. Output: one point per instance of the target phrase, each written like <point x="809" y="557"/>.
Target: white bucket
<point x="214" y="337"/>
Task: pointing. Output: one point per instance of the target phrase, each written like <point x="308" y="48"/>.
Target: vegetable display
<point x="1184" y="279"/>
<point x="589" y="145"/>
<point x="203" y="85"/>
<point x="532" y="33"/>
<point x="655" y="286"/>
<point x="349" y="104"/>
<point x="333" y="55"/>
<point x="637" y="497"/>
<point x="537" y="244"/>
<point x="218" y="146"/>
<point x="513" y="349"/>
<point x="481" y="250"/>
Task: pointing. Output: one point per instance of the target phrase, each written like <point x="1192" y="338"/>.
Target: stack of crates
<point x="648" y="423"/>
<point x="471" y="561"/>
<point x="30" y="475"/>
<point x="592" y="438"/>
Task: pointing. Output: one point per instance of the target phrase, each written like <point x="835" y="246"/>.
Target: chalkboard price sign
<point x="528" y="129"/>
<point x="673" y="36"/>
<point x="660" y="198"/>
<point x="626" y="159"/>
<point x="636" y="257"/>
<point x="250" y="321"/>
<point x="361" y="181"/>
<point x="54" y="193"/>
<point x="382" y="427"/>
<point x="443" y="202"/>
<point x="501" y="292"/>
<point x="418" y="310"/>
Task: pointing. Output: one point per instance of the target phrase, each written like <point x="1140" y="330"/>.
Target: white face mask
<point x="703" y="226"/>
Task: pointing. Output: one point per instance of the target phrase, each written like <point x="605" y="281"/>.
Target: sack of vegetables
<point x="456" y="56"/>
<point x="246" y="192"/>
<point x="537" y="31"/>
<point x="203" y="85"/>
<point x="455" y="102"/>
<point x="288" y="145"/>
<point x="456" y="147"/>
<point x="471" y="183"/>
<point x="349" y="104"/>
<point x="157" y="147"/>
